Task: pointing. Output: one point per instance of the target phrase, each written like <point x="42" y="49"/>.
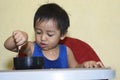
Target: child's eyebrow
<point x="51" y="31"/>
<point x="37" y="28"/>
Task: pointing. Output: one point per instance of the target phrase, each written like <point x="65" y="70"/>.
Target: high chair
<point x="81" y="50"/>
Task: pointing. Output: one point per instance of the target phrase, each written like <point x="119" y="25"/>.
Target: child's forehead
<point x="39" y="21"/>
<point x="44" y="22"/>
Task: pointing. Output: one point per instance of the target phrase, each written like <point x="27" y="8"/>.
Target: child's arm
<point x="86" y="64"/>
<point x="16" y="40"/>
<point x="71" y="59"/>
<point x="10" y="44"/>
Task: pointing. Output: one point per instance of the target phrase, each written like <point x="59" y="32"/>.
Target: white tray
<point x="59" y="74"/>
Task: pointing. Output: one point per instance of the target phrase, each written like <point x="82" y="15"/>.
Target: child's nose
<point x="43" y="37"/>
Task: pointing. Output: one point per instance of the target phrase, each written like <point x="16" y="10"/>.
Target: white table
<point x="58" y="74"/>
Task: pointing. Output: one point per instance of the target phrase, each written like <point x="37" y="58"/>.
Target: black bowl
<point x="21" y="63"/>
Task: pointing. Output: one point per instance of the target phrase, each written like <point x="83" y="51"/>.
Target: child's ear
<point x="62" y="37"/>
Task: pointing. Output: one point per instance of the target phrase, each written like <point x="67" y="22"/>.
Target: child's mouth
<point x="43" y="45"/>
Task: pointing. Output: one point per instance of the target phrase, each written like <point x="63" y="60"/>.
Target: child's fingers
<point x="15" y="35"/>
<point x="100" y="64"/>
<point x="19" y="37"/>
<point x="93" y="64"/>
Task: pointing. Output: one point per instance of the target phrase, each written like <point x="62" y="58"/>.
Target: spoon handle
<point x="19" y="47"/>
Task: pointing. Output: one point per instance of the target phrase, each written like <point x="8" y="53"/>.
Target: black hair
<point x="55" y="12"/>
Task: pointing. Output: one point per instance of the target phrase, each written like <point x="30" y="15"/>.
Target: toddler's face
<point x="47" y="34"/>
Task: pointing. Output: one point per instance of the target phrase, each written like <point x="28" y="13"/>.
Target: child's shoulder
<point x="67" y="48"/>
<point x="63" y="45"/>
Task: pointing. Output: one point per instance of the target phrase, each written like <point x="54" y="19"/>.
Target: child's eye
<point x="50" y="35"/>
<point x="38" y="32"/>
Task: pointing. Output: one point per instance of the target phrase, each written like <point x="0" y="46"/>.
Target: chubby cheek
<point x="37" y="39"/>
<point x="54" y="41"/>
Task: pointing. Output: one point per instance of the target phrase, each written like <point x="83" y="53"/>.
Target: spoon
<point x="19" y="47"/>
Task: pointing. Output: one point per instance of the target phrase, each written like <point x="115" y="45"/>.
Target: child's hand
<point x="92" y="64"/>
<point x="20" y="37"/>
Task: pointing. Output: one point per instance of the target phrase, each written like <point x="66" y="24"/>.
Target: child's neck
<point x="52" y="54"/>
